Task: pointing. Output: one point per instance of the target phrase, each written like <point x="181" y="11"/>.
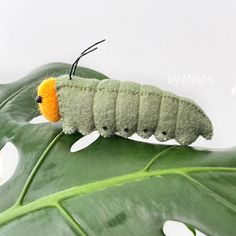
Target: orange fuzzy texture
<point x="49" y="106"/>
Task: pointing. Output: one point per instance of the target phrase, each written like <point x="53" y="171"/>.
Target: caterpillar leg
<point x="187" y="138"/>
<point x="68" y="127"/>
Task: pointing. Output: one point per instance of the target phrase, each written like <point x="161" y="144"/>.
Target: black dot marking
<point x="145" y="130"/>
<point x="39" y="99"/>
<point x="126" y="130"/>
<point x="104" y="127"/>
<point x="164" y="132"/>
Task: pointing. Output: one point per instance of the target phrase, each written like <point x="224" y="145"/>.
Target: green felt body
<point x="125" y="107"/>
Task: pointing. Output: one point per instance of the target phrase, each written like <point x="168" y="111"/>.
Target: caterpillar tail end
<point x="207" y="129"/>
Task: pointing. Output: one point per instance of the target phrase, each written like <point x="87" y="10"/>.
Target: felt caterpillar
<point x="109" y="106"/>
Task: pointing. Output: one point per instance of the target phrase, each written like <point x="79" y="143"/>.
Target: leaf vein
<point x="71" y="220"/>
<point x="219" y="198"/>
<point x="36" y="168"/>
<point x="153" y="160"/>
<point x="53" y="199"/>
<point x="15" y="94"/>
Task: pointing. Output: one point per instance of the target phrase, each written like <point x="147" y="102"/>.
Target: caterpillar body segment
<point x="75" y="101"/>
<point x="104" y="108"/>
<point x="125" y="107"/>
<point x="149" y="110"/>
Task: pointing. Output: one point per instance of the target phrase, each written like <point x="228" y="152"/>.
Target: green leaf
<point x="115" y="186"/>
<point x="192" y="229"/>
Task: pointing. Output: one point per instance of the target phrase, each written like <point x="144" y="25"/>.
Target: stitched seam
<point x="95" y="91"/>
<point x="188" y="103"/>
<point x="116" y="103"/>
<point x="177" y="117"/>
<point x="158" y="119"/>
<point x="139" y="97"/>
<point x="193" y="106"/>
<point x="89" y="89"/>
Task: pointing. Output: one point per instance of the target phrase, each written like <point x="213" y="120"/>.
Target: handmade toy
<point x="109" y="106"/>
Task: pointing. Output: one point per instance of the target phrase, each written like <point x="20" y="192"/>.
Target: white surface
<point x="185" y="46"/>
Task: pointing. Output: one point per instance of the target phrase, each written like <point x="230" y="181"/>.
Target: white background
<point x="185" y="46"/>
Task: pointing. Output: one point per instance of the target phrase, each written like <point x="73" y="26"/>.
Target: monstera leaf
<point x="115" y="186"/>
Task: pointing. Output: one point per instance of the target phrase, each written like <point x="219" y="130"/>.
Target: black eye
<point x="164" y="132"/>
<point x="39" y="99"/>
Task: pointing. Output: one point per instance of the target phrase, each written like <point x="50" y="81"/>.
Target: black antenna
<point x="85" y="52"/>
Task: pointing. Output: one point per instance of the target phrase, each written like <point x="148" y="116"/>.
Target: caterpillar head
<point x="47" y="100"/>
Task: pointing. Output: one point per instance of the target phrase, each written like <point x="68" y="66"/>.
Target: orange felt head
<point x="47" y="99"/>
